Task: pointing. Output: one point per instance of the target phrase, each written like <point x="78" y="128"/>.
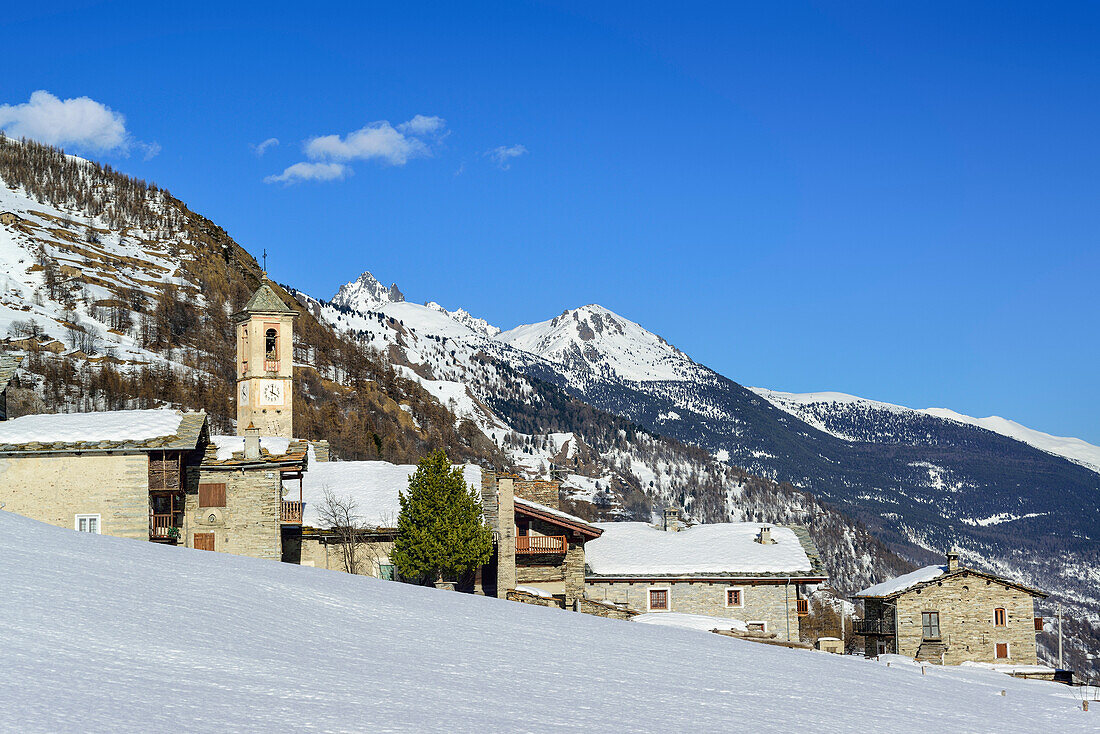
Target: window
<point x="87" y="523"/>
<point x="271" y="343"/>
<point x="1002" y="650"/>
<point x="212" y="495"/>
<point x="658" y="600"/>
<point x="733" y="597"/>
<point x="385" y="571"/>
<point x="930" y="623"/>
<point x="756" y="626"/>
<point x="999" y="617"/>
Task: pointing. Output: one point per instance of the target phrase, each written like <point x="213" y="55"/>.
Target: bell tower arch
<point x="265" y="364"/>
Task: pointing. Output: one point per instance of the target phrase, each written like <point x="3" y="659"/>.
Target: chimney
<point x="506" y="544"/>
<point x="953" y="560"/>
<point x="765" y="536"/>
<point x="251" y="442"/>
<point x="671" y="520"/>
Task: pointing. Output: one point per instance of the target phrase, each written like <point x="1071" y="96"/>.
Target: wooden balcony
<point x="164" y="528"/>
<point x="883" y="627"/>
<point x="803" y="607"/>
<point x="530" y="544"/>
<point x="291" y="513"/>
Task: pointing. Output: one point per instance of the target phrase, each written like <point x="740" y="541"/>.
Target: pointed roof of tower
<point x="266" y="300"/>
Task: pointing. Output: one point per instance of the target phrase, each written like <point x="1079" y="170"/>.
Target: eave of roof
<point x="793" y="576"/>
<point x="533" y="510"/>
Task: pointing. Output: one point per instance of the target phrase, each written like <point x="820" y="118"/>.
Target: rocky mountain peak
<point x="367" y="293"/>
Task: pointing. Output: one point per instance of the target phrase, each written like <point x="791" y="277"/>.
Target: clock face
<point x="242" y="394"/>
<point x="271" y="392"/>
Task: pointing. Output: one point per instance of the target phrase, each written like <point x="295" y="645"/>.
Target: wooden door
<point x="204" y="541"/>
<point x="1002" y="650"/>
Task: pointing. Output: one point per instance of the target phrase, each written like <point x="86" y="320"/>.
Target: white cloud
<point x="310" y="172"/>
<point x="80" y="122"/>
<point x="502" y="155"/>
<point x="148" y="150"/>
<point x="378" y="141"/>
<point x="423" y="125"/>
<point x="260" y="149"/>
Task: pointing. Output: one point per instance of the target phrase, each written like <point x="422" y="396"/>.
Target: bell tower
<point x="265" y="364"/>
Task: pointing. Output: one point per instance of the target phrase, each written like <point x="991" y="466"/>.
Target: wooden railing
<point x="541" y="544"/>
<point x="803" y="607"/>
<point x="162" y="526"/>
<point x="291" y="513"/>
<point x="874" y="627"/>
<point x="271" y="365"/>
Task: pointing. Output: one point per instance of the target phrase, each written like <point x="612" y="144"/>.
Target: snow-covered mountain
<point x="591" y="339"/>
<point x="95" y="638"/>
<point x="823" y="410"/>
<point x="365" y="293"/>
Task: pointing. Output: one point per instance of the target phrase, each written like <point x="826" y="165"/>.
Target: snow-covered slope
<point x="816" y="408"/>
<point x="109" y="634"/>
<point x="591" y="338"/>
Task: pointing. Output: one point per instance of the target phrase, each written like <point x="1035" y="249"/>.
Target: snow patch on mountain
<point x="594" y="339"/>
<point x="366" y="293"/>
<point x="813" y="408"/>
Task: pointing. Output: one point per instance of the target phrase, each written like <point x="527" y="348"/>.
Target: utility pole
<point x="1060" y="636"/>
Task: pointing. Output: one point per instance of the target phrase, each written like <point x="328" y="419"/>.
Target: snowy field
<point x="105" y="634"/>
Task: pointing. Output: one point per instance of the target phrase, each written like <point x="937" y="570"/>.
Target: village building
<point x="538" y="550"/>
<point x="9" y="363"/>
<point x="109" y="473"/>
<point x="744" y="571"/>
<point x="951" y="614"/>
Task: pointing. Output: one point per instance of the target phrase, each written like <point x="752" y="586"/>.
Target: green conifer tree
<point x="440" y="532"/>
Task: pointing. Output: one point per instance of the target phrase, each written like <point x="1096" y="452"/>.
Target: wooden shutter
<point x="1038" y="624"/>
<point x="1002" y="650"/>
<point x="212" y="495"/>
<point x="204" y="541"/>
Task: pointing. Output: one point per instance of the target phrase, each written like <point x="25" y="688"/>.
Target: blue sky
<point x="896" y="200"/>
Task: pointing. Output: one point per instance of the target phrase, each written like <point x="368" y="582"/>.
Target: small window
<point x="212" y="495"/>
<point x="733" y="597"/>
<point x="999" y="617"/>
<point x="756" y="626"/>
<point x="1002" y="650"/>
<point x="930" y="624"/>
<point x="385" y="571"/>
<point x="658" y="600"/>
<point x="271" y="343"/>
<point x="87" y="523"/>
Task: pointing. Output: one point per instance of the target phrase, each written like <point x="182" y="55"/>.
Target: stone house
<point x="9" y="218"/>
<point x="537" y="548"/>
<point x="744" y="571"/>
<point x="118" y="473"/>
<point x="951" y="614"/>
<point x="9" y="363"/>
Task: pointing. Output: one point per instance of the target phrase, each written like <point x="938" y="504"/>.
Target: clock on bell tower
<point x="265" y="364"/>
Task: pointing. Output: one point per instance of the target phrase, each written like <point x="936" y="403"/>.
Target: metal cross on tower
<point x="265" y="260"/>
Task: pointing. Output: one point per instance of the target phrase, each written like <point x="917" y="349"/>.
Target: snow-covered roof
<point x="719" y="549"/>
<point x="572" y="519"/>
<point x="109" y="430"/>
<point x="903" y="582"/>
<point x="374" y="485"/>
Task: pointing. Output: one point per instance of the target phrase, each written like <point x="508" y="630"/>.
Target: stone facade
<point x="249" y="524"/>
<point x="55" y="488"/>
<point x="966" y="605"/>
<point x="774" y="604"/>
<point x="323" y="551"/>
<point x="545" y="492"/>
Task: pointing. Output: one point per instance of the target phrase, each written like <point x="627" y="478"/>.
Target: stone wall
<point x="603" y="609"/>
<point x="966" y="604"/>
<point x="539" y="601"/>
<point x="321" y="451"/>
<point x="545" y="492"/>
<point x="773" y="604"/>
<point x="249" y="523"/>
<point x="329" y="555"/>
<point x="54" y="488"/>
